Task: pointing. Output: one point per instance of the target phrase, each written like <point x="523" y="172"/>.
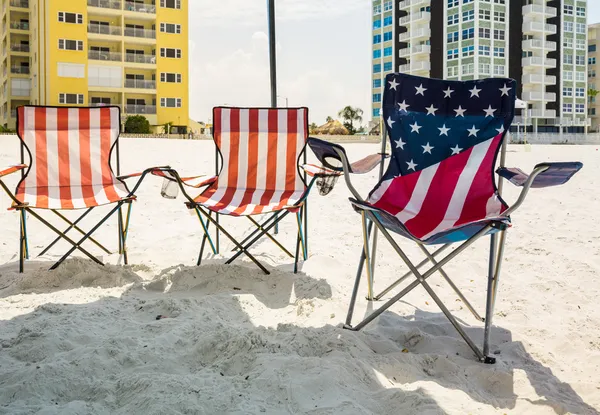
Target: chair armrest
<point x="5" y="171"/>
<point x="553" y="174"/>
<point x="327" y="152"/>
<point x="192" y="181"/>
<point x="141" y="173"/>
<point x="368" y="163"/>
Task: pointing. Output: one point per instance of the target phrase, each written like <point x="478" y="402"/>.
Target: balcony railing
<point x="409" y="3"/>
<point x="534" y="26"/>
<point x="140" y="109"/>
<point x="24" y="70"/>
<point x="19" y="3"/>
<point x="539" y="79"/>
<point x="19" y="25"/>
<point x="19" y="48"/>
<point x="135" y="58"/>
<point x="539" y="8"/>
<point x="539" y="96"/>
<point x="414" y="17"/>
<point x="413" y="34"/>
<point x="20" y="92"/>
<point x="415" y="66"/>
<point x="539" y="44"/>
<point x="105" y="4"/>
<point x="539" y="61"/>
<point x="143" y="33"/>
<point x="104" y="29"/>
<point x="105" y="56"/>
<point x="140" y="7"/>
<point x="538" y="113"/>
<point x="415" y="50"/>
<point x="140" y="83"/>
<point x="102" y="104"/>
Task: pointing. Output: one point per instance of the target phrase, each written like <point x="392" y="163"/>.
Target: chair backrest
<point x="70" y="151"/>
<point x="445" y="136"/>
<point x="260" y="148"/>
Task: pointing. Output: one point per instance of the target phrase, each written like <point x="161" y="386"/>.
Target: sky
<point x="323" y="53"/>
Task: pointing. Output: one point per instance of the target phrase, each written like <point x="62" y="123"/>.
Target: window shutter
<point x="178" y="102"/>
<point x="162" y="52"/>
<point x="162" y="27"/>
<point x="61" y="43"/>
<point x="179" y="53"/>
<point x="178" y="29"/>
<point x="179" y="78"/>
<point x="80" y="18"/>
<point x="61" y="16"/>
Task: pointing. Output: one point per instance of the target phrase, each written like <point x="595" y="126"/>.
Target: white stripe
<point x="30" y="193"/>
<point x="96" y="157"/>
<point x="261" y="163"/>
<point x="282" y="138"/>
<point x="114" y="136"/>
<point x="52" y="159"/>
<point x="465" y="181"/>
<point x="300" y="142"/>
<point x="421" y="189"/>
<point x="75" y="158"/>
<point x="242" y="180"/>
<point x="225" y="152"/>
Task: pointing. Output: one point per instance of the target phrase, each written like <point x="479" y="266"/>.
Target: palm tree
<point x="351" y="114"/>
<point x="329" y="119"/>
<point x="312" y="127"/>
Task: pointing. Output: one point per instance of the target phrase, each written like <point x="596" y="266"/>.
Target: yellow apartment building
<point x="133" y="54"/>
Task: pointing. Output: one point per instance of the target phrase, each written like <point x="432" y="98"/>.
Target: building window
<point x="484" y="68"/>
<point x="484" y="33"/>
<point x="70" y="99"/>
<point x="592" y="48"/>
<point x="468" y="15"/>
<point x="579" y="108"/>
<point x="170" y="102"/>
<point x="568" y="9"/>
<point x="388" y="5"/>
<point x="387" y="21"/>
<point x="70" y="17"/>
<point x="452" y="54"/>
<point x="170" y="4"/>
<point x="387" y="66"/>
<point x="468" y="69"/>
<point x="377" y="9"/>
<point x="376" y="97"/>
<point x="568" y="108"/>
<point x="568" y="26"/>
<point x="592" y="61"/>
<point x="453" y="37"/>
<point x="468" y="51"/>
<point x="376" y="83"/>
<point x="580" y="28"/>
<point x="377" y="68"/>
<point x="568" y="59"/>
<point x="568" y="42"/>
<point x="499" y="70"/>
<point x="579" y="92"/>
<point x="499" y="1"/>
<point x="170" y="28"/>
<point x="376" y="112"/>
<point x="499" y="52"/>
<point x="387" y="51"/>
<point x="467" y="1"/>
<point x="452" y="71"/>
<point x="499" y="16"/>
<point x="580" y="76"/>
<point x="468" y="33"/>
<point x="452" y="3"/>
<point x="387" y="36"/>
<point x="592" y="73"/>
<point x="377" y="54"/>
<point x="377" y="24"/>
<point x="66" y="44"/>
<point x="499" y="34"/>
<point x="580" y="44"/>
<point x="376" y="39"/>
<point x="484" y="50"/>
<point x="581" y="11"/>
<point x="484" y="14"/>
<point x="170" y="53"/>
<point x="567" y="92"/>
<point x="580" y="60"/>
<point x="170" y="77"/>
<point x="453" y="18"/>
<point x="593" y="111"/>
<point x="568" y="75"/>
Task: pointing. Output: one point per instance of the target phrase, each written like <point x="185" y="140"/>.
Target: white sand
<point x="84" y="339"/>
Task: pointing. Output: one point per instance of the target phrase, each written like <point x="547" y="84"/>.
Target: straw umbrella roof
<point x="332" y="128"/>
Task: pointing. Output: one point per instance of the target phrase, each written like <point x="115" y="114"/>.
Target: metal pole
<point x="272" y="53"/>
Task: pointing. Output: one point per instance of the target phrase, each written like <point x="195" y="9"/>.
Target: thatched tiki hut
<point x="332" y="128"/>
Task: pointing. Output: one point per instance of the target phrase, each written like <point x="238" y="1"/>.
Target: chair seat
<point x="71" y="197"/>
<point x="245" y="202"/>
<point x="444" y="236"/>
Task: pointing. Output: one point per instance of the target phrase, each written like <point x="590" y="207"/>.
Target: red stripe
<point x="41" y="155"/>
<point x="85" y="156"/>
<point x="291" y="156"/>
<point x="271" y="182"/>
<point x="438" y="195"/>
<point x="105" y="144"/>
<point x="398" y="194"/>
<point x="252" y="161"/>
<point x="234" y="156"/>
<point x="64" y="166"/>
<point x="482" y="188"/>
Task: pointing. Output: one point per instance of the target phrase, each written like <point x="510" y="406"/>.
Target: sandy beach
<point x="85" y="339"/>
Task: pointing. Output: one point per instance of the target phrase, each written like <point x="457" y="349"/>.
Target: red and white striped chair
<point x="70" y="168"/>
<point x="259" y="152"/>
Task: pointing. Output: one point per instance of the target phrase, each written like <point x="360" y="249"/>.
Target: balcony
<point x="19" y="48"/>
<point x="105" y="4"/>
<point x="539" y="96"/>
<point x="101" y="104"/>
<point x="539" y="113"/>
<point x="135" y="58"/>
<point x="140" y="109"/>
<point x="420" y="17"/>
<point x="140" y="84"/>
<point x="140" y="7"/>
<point x="539" y="79"/>
<point x="539" y="8"/>
<point x="105" y="56"/>
<point x="20" y="92"/>
<point x="413" y="3"/>
<point x="538" y="61"/>
<point x="535" y="27"/>
<point x="20" y="3"/>
<point x="140" y="33"/>
<point x="415" y="66"/>
<point x="415" y="50"/>
<point x="539" y="44"/>
<point x="104" y="29"/>
<point x="21" y="70"/>
<point x="415" y="34"/>
<point x="19" y="25"/>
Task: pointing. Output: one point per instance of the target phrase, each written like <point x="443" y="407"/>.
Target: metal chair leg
<point x="366" y="235"/>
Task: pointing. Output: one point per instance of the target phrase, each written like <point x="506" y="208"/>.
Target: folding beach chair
<point x="259" y="157"/>
<point x="70" y="153"/>
<point x="439" y="187"/>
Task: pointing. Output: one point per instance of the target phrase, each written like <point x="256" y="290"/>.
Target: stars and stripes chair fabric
<point x="70" y="150"/>
<point x="439" y="186"/>
<point x="259" y="155"/>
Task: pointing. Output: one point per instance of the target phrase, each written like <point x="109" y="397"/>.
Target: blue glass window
<point x="387" y="21"/>
<point x="377" y="53"/>
<point x="453" y="36"/>
<point x="387" y="51"/>
<point x="376" y="39"/>
<point x="376" y="97"/>
<point x="376" y="112"/>
<point x="376" y="83"/>
<point x="377" y="68"/>
<point x="387" y="66"/>
<point x="387" y="36"/>
<point x="592" y="48"/>
<point x="377" y="24"/>
<point x="468" y="33"/>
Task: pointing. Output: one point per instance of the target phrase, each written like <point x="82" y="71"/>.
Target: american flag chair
<point x="439" y="187"/>
<point x="70" y="151"/>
